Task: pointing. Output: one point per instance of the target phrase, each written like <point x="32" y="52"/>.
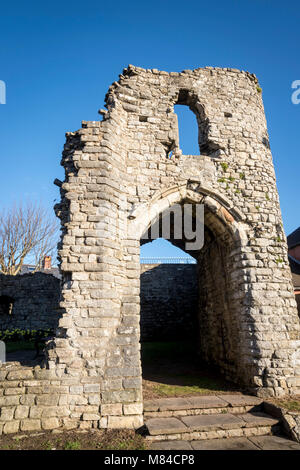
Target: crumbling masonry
<point x="122" y="172"/>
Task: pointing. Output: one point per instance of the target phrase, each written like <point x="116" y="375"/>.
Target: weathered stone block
<point x="7" y="413"/>
<point x="27" y="399"/>
<point x="14" y="391"/>
<point x="50" y="423"/>
<point x="10" y="400"/>
<point x="21" y="412"/>
<point x="49" y="400"/>
<point x="125" y="422"/>
<point x="94" y="399"/>
<point x="133" y="408"/>
<point x="30" y="425"/>
<point x="92" y="388"/>
<point x="20" y="374"/>
<point x="111" y="409"/>
<point x="90" y="417"/>
<point x="11" y="427"/>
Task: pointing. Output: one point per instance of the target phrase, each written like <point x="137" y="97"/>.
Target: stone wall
<point x="35" y="298"/>
<point x="169" y="302"/>
<point x="219" y="303"/>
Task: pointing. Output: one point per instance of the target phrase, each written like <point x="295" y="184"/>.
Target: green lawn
<point x="19" y="346"/>
<point x="202" y="386"/>
<point x="289" y="404"/>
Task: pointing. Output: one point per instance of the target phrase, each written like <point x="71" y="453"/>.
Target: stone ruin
<point x="120" y="173"/>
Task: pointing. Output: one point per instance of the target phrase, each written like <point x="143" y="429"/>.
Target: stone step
<point x="214" y="426"/>
<point x="208" y="404"/>
<point x="231" y="443"/>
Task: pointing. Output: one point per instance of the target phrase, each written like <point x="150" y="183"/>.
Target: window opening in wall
<point x="6" y="305"/>
<point x="188" y="130"/>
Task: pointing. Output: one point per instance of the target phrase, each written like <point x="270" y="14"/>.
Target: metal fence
<point x="171" y="260"/>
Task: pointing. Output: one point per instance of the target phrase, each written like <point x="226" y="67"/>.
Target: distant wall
<point x="168" y="301"/>
<point x="35" y="301"/>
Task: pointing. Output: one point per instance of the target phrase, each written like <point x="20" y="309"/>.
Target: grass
<point x="164" y="390"/>
<point x="119" y="443"/>
<point x="7" y="447"/>
<point x="19" y="346"/>
<point x="72" y="445"/>
<point x="288" y="404"/>
<point x="48" y="445"/>
<point x="292" y="405"/>
<point x="73" y="440"/>
<point x="201" y="386"/>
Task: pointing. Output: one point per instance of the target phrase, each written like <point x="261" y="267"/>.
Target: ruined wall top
<point x="220" y="98"/>
<point x="137" y="145"/>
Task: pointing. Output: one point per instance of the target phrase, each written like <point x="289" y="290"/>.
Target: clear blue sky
<point x="58" y="61"/>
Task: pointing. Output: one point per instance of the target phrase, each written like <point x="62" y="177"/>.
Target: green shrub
<point x="16" y="335"/>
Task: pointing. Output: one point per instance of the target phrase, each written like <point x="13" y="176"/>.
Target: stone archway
<point x="221" y="316"/>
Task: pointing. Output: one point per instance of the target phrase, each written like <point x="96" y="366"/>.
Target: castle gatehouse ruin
<point x="122" y="173"/>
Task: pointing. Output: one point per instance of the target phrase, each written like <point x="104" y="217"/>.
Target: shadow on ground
<point x="174" y="369"/>
<point x="25" y="358"/>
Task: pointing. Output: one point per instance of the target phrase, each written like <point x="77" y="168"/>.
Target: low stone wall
<point x="169" y="298"/>
<point x="32" y="399"/>
<point x="35" y="398"/>
<point x="35" y="301"/>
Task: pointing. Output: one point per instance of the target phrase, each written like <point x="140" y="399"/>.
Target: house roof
<point x="294" y="265"/>
<point x="294" y="238"/>
<point x="28" y="268"/>
<point x="296" y="281"/>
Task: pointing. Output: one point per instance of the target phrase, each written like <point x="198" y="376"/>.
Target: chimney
<point x="47" y="262"/>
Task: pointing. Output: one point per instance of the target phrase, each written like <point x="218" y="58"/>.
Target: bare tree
<point x="26" y="232"/>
